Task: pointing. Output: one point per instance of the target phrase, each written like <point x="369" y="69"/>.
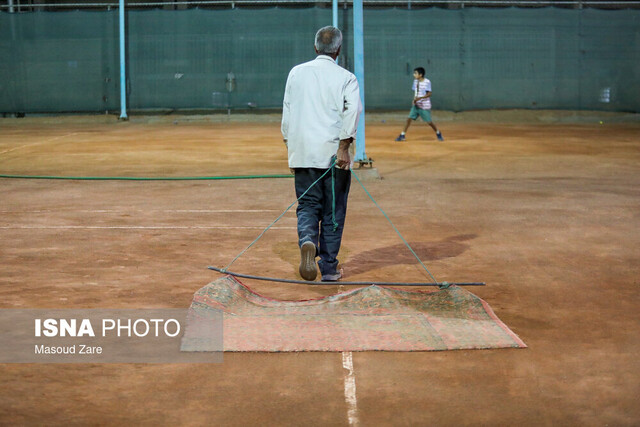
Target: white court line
<point x="135" y="227"/>
<point x="146" y="210"/>
<point x="350" y="389"/>
<point x="221" y="210"/>
<point x="350" y="384"/>
<point x="36" y="143"/>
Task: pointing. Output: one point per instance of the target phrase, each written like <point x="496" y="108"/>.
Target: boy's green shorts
<point x="415" y="112"/>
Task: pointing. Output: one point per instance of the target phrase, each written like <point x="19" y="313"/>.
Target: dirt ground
<point x="545" y="211"/>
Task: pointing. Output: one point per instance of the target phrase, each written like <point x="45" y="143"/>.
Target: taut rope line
<point x="333" y="164"/>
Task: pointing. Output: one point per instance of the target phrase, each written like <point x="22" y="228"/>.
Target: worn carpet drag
<point x="369" y="318"/>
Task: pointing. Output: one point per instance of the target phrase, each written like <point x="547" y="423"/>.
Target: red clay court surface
<point x="545" y="212"/>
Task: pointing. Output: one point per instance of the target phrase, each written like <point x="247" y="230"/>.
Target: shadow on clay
<point x="399" y="254"/>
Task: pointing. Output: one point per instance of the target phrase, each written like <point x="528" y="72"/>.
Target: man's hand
<point x="343" y="160"/>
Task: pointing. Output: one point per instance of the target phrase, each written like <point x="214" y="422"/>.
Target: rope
<point x="333" y="193"/>
<point x="129" y="178"/>
<point x="394" y="227"/>
<point x="224" y="270"/>
<point x="335" y="224"/>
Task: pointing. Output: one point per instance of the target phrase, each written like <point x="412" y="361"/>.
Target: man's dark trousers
<point x="315" y="212"/>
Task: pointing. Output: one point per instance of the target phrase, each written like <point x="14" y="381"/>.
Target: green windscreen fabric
<point x="59" y="62"/>
<point x="505" y="58"/>
<point x="181" y="59"/>
<point x="476" y="58"/>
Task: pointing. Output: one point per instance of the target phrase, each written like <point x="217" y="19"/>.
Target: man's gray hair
<point x="328" y="40"/>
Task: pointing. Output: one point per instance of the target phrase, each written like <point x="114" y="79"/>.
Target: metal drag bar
<point x="306" y="282"/>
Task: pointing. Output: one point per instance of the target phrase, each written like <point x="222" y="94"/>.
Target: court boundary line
<point x="39" y="142"/>
<point x="136" y="227"/>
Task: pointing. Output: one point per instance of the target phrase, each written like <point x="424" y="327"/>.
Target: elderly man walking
<point x="320" y="116"/>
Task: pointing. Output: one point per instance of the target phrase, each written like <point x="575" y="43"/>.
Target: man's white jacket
<point x="321" y="106"/>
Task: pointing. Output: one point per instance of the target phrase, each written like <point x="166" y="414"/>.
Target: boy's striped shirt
<point x="420" y="88"/>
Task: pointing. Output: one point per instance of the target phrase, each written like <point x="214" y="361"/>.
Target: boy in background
<point x="421" y="103"/>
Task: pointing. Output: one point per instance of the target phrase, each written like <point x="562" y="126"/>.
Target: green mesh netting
<point x="476" y="58"/>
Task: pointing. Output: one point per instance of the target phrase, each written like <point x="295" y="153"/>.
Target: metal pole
<point x="358" y="55"/>
<point x="335" y="13"/>
<point x="11" y="6"/>
<point x="123" y="75"/>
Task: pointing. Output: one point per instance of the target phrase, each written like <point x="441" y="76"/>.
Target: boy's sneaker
<point x="400" y="138"/>
<point x="439" y="135"/>
<point x="308" y="269"/>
